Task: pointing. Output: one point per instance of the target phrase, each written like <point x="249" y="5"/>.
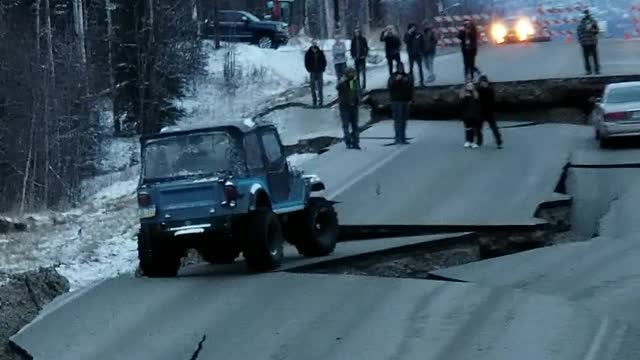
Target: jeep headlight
<point x="524" y="29"/>
<point x="499" y="32"/>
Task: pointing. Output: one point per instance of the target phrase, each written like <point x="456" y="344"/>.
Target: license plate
<point x="146" y="213"/>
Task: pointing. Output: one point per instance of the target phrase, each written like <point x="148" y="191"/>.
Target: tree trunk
<point x="49" y="80"/>
<point x="112" y="82"/>
<point x="216" y="22"/>
<point x="195" y="17"/>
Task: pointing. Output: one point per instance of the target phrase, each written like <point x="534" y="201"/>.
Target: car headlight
<point x="499" y="32"/>
<point x="524" y="28"/>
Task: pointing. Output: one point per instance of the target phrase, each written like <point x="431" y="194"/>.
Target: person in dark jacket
<point x="392" y="46"/>
<point x="469" y="98"/>
<point x="588" y="36"/>
<point x="415" y="48"/>
<point x="468" y="37"/>
<point x="486" y="96"/>
<point x="316" y="63"/>
<point x="401" y="93"/>
<point x="348" y="100"/>
<point x="359" y="53"/>
<point x="430" y="46"/>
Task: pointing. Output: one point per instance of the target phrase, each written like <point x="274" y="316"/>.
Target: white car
<point x="617" y="113"/>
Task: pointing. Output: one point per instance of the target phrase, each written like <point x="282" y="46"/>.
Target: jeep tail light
<point x="615" y="116"/>
<point x="144" y="200"/>
<point x="230" y="193"/>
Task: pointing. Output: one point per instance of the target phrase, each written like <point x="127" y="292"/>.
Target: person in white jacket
<point x="339" y="57"/>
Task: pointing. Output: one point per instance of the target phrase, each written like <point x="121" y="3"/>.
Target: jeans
<point x="400" y="110"/>
<point x="494" y="129"/>
<point x="428" y="63"/>
<point x="416" y="59"/>
<point x="591" y="51"/>
<point x="390" y="61"/>
<point x="316" y="87"/>
<point x="361" y="69"/>
<point x="340" y="69"/>
<point x="349" y="117"/>
<point x="469" y="59"/>
<point x="473" y="131"/>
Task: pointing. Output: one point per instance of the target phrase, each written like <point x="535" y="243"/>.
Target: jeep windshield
<point x="186" y="156"/>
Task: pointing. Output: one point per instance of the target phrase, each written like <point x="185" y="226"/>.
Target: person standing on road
<point x="415" y="48"/>
<point x="588" y="36"/>
<point x="316" y="63"/>
<point x="487" y="96"/>
<point x="468" y="37"/>
<point x="359" y="53"/>
<point x="430" y="46"/>
<point x="339" y="57"/>
<point x="471" y="115"/>
<point x="401" y="93"/>
<point x="392" y="46"/>
<point x="348" y="100"/>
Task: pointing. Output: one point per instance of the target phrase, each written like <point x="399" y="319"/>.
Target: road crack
<point x="197" y="352"/>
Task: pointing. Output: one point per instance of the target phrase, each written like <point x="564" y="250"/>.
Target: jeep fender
<point x="315" y="184"/>
<point x="258" y="194"/>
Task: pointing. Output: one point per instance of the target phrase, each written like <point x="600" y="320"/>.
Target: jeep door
<point x="233" y="26"/>
<point x="277" y="167"/>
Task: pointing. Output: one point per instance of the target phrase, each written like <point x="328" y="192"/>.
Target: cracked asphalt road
<point x="536" y="307"/>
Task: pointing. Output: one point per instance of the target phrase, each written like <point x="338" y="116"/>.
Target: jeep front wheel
<point x="315" y="229"/>
<point x="263" y="240"/>
<point x="265" y="42"/>
<point x="158" y="258"/>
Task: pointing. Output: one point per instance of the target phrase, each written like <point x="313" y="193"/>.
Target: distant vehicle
<point x="243" y="26"/>
<point x="515" y="29"/>
<point x="617" y="113"/>
<point x="224" y="191"/>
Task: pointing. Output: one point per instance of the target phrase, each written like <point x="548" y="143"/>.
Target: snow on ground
<point x="93" y="242"/>
<point x="299" y="159"/>
<point x="260" y="75"/>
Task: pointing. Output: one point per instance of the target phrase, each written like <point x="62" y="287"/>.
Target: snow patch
<point x="299" y="159"/>
<point x="116" y="191"/>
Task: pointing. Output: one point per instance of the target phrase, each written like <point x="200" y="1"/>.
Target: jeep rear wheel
<point x="315" y="230"/>
<point x="263" y="240"/>
<point x="157" y="256"/>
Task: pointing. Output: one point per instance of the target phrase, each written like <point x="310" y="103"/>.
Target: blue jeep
<point x="227" y="190"/>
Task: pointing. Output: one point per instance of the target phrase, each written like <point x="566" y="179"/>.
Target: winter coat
<point x="588" y="31"/>
<point x="401" y="87"/>
<point x="469" y="40"/>
<point x="348" y="91"/>
<point x="430" y="41"/>
<point x="392" y="44"/>
<point x="339" y="53"/>
<point x="315" y="62"/>
<point x="487" y="98"/>
<point x="359" y="48"/>
<point x="415" y="44"/>
<point x="470" y="106"/>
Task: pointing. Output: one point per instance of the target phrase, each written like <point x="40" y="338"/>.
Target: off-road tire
<point x="263" y="240"/>
<point x="315" y="230"/>
<point x="157" y="256"/>
<point x="266" y="42"/>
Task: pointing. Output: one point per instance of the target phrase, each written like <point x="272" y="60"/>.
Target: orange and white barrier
<point x="556" y="21"/>
<point x="448" y="27"/>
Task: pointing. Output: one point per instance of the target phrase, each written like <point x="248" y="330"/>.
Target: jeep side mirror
<point x="595" y="100"/>
<point x="245" y="19"/>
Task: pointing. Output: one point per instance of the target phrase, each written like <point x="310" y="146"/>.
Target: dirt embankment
<point x="22" y="297"/>
<point x="541" y="96"/>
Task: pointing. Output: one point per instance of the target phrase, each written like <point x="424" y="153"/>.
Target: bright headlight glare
<point x="499" y="32"/>
<point x="524" y="28"/>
